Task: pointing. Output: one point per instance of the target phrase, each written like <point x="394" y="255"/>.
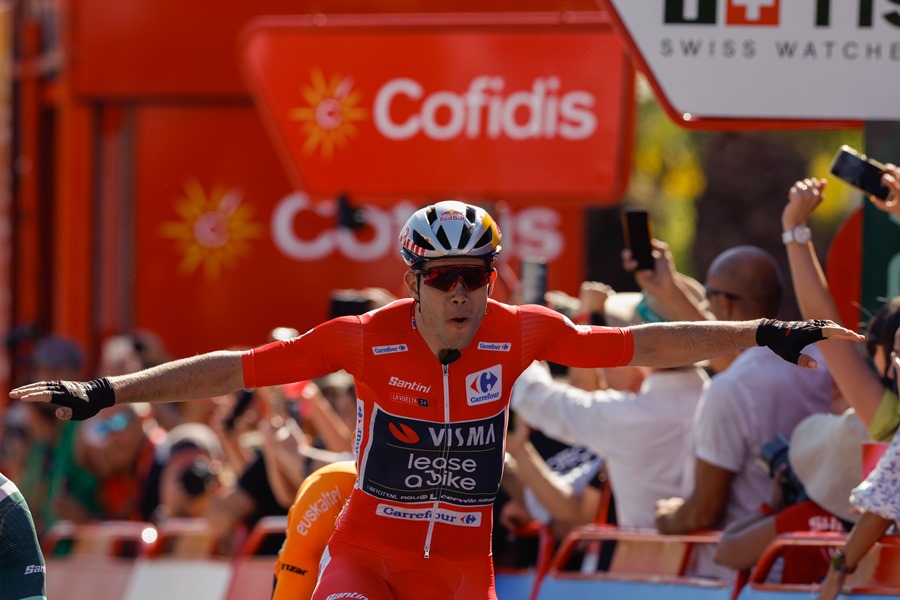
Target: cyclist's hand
<point x="788" y="338"/>
<point x="77" y="400"/>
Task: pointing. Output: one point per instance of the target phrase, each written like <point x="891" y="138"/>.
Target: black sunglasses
<point x="710" y="292"/>
<point x="445" y="277"/>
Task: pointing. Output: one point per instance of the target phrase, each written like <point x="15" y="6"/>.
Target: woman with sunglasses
<point x="433" y="375"/>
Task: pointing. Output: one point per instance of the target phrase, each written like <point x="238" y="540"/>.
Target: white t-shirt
<point x="758" y="396"/>
<point x="644" y="438"/>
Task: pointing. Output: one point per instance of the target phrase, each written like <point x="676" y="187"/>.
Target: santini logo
<point x="494" y="346"/>
<point x="412" y="386"/>
<point x="393" y="348"/>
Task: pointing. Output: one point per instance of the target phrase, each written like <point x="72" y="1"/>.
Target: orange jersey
<point x="310" y="525"/>
<point x="430" y="437"/>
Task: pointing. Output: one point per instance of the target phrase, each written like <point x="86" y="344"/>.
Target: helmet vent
<point x="431" y="215"/>
<point x="421" y="241"/>
<point x="464" y="237"/>
<point x="442" y="238"/>
<point x="485" y="239"/>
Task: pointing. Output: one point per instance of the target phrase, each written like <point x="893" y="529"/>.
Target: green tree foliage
<point x="711" y="190"/>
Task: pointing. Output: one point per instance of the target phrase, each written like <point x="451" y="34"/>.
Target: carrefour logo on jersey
<point x="495" y="346"/>
<point x="484" y="386"/>
<point x="390" y="349"/>
<point x="451" y="517"/>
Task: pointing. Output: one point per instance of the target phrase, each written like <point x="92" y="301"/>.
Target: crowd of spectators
<point x="680" y="449"/>
<point x="230" y="460"/>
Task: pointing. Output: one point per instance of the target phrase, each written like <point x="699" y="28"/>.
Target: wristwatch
<point x="800" y="234"/>
<point x="839" y="563"/>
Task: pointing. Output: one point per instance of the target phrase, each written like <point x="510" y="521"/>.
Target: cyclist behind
<point x="22" y="573"/>
<point x="310" y="523"/>
<point x="433" y="374"/>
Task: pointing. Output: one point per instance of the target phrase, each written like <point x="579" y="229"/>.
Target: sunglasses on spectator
<point x="114" y="424"/>
<point x="445" y="277"/>
<point x="710" y="292"/>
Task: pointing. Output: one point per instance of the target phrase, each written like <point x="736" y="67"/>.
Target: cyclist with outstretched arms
<point x="433" y="375"/>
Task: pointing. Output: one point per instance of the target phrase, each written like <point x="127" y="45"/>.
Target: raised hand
<point x="891" y="180"/>
<point x="78" y="400"/>
<point x="805" y="195"/>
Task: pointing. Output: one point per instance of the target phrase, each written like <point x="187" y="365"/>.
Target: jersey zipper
<point x="445" y="453"/>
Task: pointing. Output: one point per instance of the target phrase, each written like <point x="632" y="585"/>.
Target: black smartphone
<point x="637" y="232"/>
<point x="533" y="273"/>
<point x="861" y="172"/>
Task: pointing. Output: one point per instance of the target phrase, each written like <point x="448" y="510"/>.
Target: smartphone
<point x="861" y="172"/>
<point x="636" y="230"/>
<point x="533" y="273"/>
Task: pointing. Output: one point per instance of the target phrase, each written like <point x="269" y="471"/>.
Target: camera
<point x="772" y="456"/>
<point x="198" y="477"/>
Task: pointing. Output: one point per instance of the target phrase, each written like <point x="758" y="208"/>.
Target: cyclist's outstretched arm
<point x="201" y="376"/>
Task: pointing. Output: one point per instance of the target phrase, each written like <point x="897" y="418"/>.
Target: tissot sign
<point x="769" y="59"/>
<point x="479" y="112"/>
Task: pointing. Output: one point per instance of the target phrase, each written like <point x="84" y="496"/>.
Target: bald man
<point x="744" y="407"/>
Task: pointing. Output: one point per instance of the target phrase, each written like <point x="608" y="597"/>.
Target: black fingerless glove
<point x="85" y="399"/>
<point x="788" y="338"/>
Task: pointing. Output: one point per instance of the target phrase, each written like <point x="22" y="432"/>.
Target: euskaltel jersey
<point x="430" y="438"/>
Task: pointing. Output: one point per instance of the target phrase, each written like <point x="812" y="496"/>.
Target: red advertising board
<point x="526" y="113"/>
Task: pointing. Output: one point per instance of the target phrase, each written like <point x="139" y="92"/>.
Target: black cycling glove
<point x="85" y="399"/>
<point x="788" y="338"/>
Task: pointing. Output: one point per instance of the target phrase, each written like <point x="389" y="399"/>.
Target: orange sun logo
<point x="214" y="230"/>
<point x="327" y="121"/>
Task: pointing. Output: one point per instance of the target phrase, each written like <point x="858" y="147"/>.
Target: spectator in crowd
<point x="744" y="407"/>
<point x="877" y="498"/>
<point x="49" y="443"/>
<point x="22" y="570"/>
<point x="243" y="432"/>
<point x="564" y="497"/>
<point x="142" y="349"/>
<point x="810" y="492"/>
<point x="588" y="308"/>
<point x="872" y="393"/>
<point x="190" y="468"/>
<point x="644" y="437"/>
<point x="112" y="475"/>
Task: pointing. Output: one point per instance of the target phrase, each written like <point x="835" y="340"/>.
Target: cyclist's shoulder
<point x="398" y="310"/>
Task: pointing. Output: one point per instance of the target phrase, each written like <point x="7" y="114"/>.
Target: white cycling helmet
<point x="449" y="229"/>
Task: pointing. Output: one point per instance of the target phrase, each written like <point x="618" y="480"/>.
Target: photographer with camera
<point x="812" y="477"/>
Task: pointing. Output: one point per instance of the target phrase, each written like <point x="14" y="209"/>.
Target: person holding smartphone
<point x="872" y="393"/>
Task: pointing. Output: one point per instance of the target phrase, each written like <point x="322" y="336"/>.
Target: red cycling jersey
<point x="429" y="437"/>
